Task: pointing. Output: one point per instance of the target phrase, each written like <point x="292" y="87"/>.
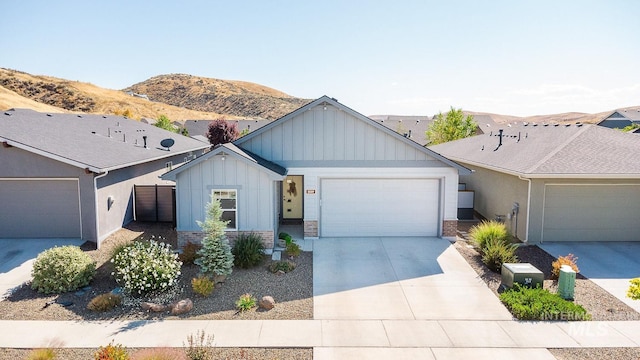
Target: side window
<point x="228" y="202"/>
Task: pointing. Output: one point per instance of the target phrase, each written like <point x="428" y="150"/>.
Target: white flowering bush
<point x="144" y="267"/>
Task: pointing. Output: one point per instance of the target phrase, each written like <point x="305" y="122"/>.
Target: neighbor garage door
<point x="591" y="213"/>
<point x="379" y="207"/>
<point x="39" y="209"/>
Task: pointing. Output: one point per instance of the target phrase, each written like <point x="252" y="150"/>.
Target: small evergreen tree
<point x="215" y="255"/>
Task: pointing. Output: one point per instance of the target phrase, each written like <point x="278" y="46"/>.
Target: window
<point x="228" y="202"/>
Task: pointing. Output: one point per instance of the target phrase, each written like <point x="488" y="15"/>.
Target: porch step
<point x="276" y="256"/>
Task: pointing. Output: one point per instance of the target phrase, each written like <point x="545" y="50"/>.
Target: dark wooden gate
<point x="155" y="203"/>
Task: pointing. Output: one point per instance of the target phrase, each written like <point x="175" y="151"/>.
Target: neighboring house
<point x="201" y="127"/>
<point x="570" y="182"/>
<point x="411" y="127"/>
<point x="72" y="176"/>
<point x="332" y="170"/>
<point x="620" y="119"/>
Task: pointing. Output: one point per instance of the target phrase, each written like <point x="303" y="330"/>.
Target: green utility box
<point x="566" y="282"/>
<point x="524" y="274"/>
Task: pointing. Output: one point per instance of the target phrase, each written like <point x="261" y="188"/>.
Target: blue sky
<point x="377" y="57"/>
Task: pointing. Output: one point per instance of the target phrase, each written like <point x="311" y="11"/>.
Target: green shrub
<point x="293" y="249"/>
<point x="215" y="256"/>
<point x="62" y="269"/>
<point x="202" y="285"/>
<point x="199" y="346"/>
<point x="189" y="253"/>
<point x="486" y="231"/>
<point x="159" y="354"/>
<point x="104" y="302"/>
<point x="634" y="289"/>
<point x="286" y="237"/>
<point x="497" y="252"/>
<point x="146" y="266"/>
<point x="248" y="250"/>
<point x="570" y="260"/>
<point x="283" y="265"/>
<point x="42" y="354"/>
<point x="539" y="304"/>
<point x="246" y="302"/>
<point x="111" y="352"/>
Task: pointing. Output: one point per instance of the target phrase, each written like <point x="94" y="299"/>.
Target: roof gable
<point x="327" y="133"/>
<point x="95" y="142"/>
<point x="534" y="150"/>
<point x="274" y="170"/>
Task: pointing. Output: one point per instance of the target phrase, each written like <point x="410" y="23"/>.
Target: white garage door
<point x="39" y="209"/>
<point x="379" y="207"/>
<point x="591" y="213"/>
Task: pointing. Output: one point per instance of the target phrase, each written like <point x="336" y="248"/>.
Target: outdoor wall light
<point x="110" y="201"/>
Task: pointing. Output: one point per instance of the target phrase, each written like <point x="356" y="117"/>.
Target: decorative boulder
<point x="267" y="303"/>
<point x="181" y="307"/>
<point x="153" y="307"/>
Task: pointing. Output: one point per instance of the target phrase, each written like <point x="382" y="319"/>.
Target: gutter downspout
<point x="526" y="238"/>
<point x="95" y="189"/>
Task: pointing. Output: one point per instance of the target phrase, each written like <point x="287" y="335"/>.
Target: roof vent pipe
<point x="109" y="131"/>
<point x="500" y="141"/>
<point x="144" y="139"/>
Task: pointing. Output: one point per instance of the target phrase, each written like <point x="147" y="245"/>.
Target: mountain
<point x="49" y="94"/>
<point x="238" y="98"/>
<point x="185" y="97"/>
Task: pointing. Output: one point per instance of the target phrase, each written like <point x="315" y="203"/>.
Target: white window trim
<point x="213" y="192"/>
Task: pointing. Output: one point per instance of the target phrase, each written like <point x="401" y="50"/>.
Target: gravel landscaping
<point x="293" y="291"/>
<point x="600" y="304"/>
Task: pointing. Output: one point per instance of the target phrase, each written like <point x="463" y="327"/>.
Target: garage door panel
<point x="592" y="213"/>
<point x="379" y="207"/>
<point x="39" y="209"/>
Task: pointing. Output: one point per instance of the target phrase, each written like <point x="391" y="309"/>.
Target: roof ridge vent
<point x="79" y="115"/>
<point x="545" y="125"/>
<point x="49" y="115"/>
<point x="567" y="125"/>
<point x="7" y="113"/>
<point x="556" y="125"/>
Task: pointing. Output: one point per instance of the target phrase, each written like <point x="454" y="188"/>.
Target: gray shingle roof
<point x="200" y="127"/>
<point x="551" y="151"/>
<point x="83" y="140"/>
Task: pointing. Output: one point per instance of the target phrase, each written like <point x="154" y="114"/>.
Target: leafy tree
<point x="453" y="126"/>
<point x="630" y="128"/>
<point x="221" y="132"/>
<point x="215" y="255"/>
<point x="164" y="123"/>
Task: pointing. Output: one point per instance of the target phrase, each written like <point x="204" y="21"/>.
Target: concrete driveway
<point x="609" y="264"/>
<point x="16" y="259"/>
<point x="398" y="279"/>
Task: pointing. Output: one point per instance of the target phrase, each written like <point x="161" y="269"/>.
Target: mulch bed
<point x="293" y="292"/>
<point x="599" y="303"/>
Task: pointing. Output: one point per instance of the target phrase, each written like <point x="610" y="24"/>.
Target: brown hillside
<point x="44" y="93"/>
<point x="239" y="98"/>
<point x="570" y="117"/>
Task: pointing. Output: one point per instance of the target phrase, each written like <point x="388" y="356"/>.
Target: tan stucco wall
<point x="495" y="194"/>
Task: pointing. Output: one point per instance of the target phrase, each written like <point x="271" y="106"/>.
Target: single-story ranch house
<point x="553" y="182"/>
<point x="622" y="118"/>
<point x="327" y="167"/>
<point x="72" y="176"/>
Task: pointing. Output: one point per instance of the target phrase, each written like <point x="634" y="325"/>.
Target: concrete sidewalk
<point x="326" y="334"/>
